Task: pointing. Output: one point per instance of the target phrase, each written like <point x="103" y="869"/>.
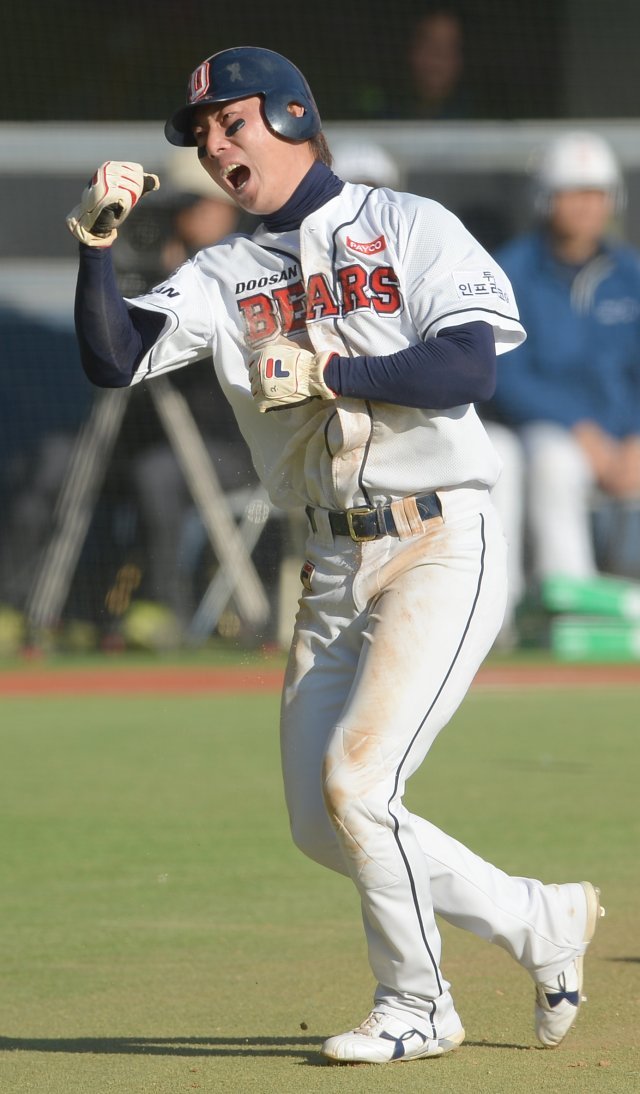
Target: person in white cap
<point x="364" y="161"/>
<point x="571" y="393"/>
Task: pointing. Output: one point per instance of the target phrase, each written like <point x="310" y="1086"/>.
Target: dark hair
<point x="321" y="150"/>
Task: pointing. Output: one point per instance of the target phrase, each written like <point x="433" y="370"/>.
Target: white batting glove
<point x="283" y="374"/>
<point x="107" y="201"/>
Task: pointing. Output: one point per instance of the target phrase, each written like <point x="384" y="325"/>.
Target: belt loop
<point x="407" y="518"/>
<point x="323" y="530"/>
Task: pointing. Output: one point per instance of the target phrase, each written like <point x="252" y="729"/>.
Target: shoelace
<point x="371" y="1023"/>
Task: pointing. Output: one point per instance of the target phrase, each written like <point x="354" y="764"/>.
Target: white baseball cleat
<point x="558" y="999"/>
<point x="384" y="1038"/>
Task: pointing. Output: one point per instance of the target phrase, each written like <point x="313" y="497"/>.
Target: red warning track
<point x="182" y="680"/>
<point x="159" y="680"/>
<point x="505" y="677"/>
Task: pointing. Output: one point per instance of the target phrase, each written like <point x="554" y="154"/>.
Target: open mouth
<point x="237" y="175"/>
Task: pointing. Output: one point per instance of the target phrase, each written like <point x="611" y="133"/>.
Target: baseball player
<point x="352" y="333"/>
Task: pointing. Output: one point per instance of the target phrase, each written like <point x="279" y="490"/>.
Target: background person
<point x="571" y="393"/>
<point x="436" y="66"/>
<point x="429" y="79"/>
<point x="39" y="420"/>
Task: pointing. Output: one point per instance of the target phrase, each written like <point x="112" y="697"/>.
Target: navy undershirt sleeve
<point x="112" y="337"/>
<point x="457" y="367"/>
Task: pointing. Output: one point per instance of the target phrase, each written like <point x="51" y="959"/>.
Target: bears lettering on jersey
<point x="321" y="303"/>
<point x="291" y="307"/>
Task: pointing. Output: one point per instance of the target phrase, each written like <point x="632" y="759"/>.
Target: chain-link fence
<point x="456" y="96"/>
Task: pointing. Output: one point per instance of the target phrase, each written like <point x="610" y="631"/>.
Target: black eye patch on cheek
<point x="233" y="129"/>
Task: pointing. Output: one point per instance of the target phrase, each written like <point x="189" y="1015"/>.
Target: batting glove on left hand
<point x="283" y="374"/>
<point x="107" y="201"/>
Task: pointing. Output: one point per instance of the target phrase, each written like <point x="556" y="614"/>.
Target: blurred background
<point x="106" y="540"/>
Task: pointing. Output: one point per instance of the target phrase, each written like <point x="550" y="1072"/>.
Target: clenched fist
<point x="107" y="201"/>
<point x="282" y="374"/>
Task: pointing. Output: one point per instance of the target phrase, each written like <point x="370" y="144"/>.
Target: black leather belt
<point x="363" y="523"/>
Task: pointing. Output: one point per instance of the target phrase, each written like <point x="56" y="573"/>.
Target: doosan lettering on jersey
<point x="270" y="279"/>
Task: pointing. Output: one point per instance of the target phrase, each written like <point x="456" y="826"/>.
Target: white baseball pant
<point x="560" y="494"/>
<point x="386" y="644"/>
<point x="508" y="496"/>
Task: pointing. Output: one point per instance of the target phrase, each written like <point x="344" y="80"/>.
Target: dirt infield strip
<point x="166" y="679"/>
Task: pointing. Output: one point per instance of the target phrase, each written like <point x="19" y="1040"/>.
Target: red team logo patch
<point x="376" y="246"/>
<point x="199" y="82"/>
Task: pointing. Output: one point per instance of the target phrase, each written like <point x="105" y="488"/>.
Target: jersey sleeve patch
<point x="482" y="284"/>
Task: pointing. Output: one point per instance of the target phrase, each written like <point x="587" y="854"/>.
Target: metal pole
<point x="74" y="508"/>
<point x="209" y="497"/>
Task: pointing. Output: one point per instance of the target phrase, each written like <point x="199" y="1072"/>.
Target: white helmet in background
<point x="577" y="161"/>
<point x="363" y="161"/>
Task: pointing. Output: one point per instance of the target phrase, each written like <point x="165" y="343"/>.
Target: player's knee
<point x="350" y="789"/>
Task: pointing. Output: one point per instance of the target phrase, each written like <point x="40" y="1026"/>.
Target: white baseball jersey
<point x="370" y="272"/>
<point x="390" y="632"/>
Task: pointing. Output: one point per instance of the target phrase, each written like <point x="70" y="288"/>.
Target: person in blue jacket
<point x="570" y="394"/>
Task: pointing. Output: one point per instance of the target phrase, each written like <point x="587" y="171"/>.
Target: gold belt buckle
<point x="360" y="511"/>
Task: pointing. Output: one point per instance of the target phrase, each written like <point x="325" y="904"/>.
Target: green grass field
<point x="161" y="934"/>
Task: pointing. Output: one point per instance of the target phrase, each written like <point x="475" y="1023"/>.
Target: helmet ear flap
<point x="286" y="123"/>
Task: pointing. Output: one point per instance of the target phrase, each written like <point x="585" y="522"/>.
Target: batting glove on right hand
<point x="107" y="201"/>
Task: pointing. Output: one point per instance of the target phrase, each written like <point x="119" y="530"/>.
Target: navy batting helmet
<point x="243" y="71"/>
